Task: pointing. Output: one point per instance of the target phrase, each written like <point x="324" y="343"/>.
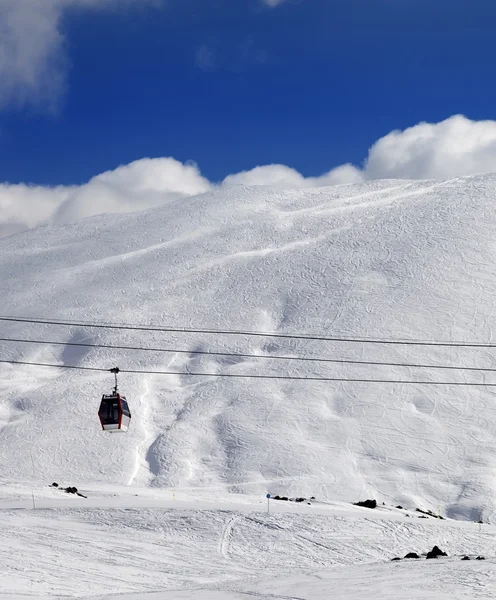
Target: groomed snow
<point x="390" y="259"/>
<point x="153" y="546"/>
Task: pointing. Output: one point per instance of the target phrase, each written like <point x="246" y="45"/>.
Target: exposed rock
<point x="435" y="552"/>
<point x="73" y="490"/>
<point x="367" y="503"/>
<point x="397" y="558"/>
<point x="299" y="500"/>
<point x="412" y="555"/>
<point x="429" y="513"/>
<point x="400" y="507"/>
<point x="465" y="558"/>
<point x="481" y="558"/>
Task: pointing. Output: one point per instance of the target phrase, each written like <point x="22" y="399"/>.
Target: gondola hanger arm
<point x="115" y="370"/>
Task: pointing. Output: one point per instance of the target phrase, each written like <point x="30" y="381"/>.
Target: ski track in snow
<point x="225" y="539"/>
<point x="145" y="402"/>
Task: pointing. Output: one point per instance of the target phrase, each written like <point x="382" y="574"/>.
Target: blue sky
<point x="233" y="84"/>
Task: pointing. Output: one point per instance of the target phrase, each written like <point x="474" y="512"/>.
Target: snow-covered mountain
<point x="384" y="259"/>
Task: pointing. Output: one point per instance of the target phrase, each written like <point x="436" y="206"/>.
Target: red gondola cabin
<point x="114" y="413"/>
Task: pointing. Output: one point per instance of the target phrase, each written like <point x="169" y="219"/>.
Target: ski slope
<point x="383" y="259"/>
<point x="153" y="547"/>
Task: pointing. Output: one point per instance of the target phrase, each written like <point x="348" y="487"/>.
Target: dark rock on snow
<point x="412" y="555"/>
<point x="435" y="552"/>
<point x="73" y="490"/>
<point x="429" y="513"/>
<point x="68" y="490"/>
<point x="367" y="503"/>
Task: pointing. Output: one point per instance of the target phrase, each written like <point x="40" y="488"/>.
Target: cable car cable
<point x="256" y="356"/>
<point x="249" y="376"/>
<point x="308" y="337"/>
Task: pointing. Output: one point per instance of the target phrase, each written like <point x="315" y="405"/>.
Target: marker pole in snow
<point x="34" y="505"/>
<point x="268" y="503"/>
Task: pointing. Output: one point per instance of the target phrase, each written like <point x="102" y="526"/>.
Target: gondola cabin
<point x="114" y="413"/>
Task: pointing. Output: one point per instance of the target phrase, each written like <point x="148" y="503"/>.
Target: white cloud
<point x="142" y="184"/>
<point x="454" y="147"/>
<point x="280" y="176"/>
<point x="139" y="185"/>
<point x="31" y="52"/>
<point x="347" y="173"/>
<point x="33" y="61"/>
<point x="26" y="206"/>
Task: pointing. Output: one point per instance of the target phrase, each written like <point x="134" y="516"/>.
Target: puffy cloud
<point x="347" y="173"/>
<point x="139" y="185"/>
<point x="25" y="206"/>
<point x="33" y="62"/>
<point x="280" y="176"/>
<point x="454" y="147"/>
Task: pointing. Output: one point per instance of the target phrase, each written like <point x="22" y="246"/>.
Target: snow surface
<point x="390" y="259"/>
<point x="151" y="546"/>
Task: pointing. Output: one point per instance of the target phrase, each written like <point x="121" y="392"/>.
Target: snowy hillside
<point x="389" y="259"/>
